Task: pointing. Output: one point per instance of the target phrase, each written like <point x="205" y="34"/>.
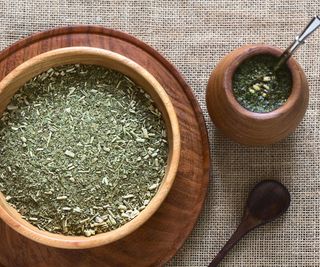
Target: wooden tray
<point x="159" y="239"/>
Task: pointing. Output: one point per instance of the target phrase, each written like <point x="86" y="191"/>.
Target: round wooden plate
<point x="159" y="239"/>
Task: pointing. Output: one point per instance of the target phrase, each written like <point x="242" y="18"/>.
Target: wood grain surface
<point x="159" y="239"/>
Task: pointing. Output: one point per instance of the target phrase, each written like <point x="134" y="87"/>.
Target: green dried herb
<point x="83" y="150"/>
<point x="258" y="88"/>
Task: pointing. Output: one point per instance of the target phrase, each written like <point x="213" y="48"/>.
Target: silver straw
<point x="299" y="40"/>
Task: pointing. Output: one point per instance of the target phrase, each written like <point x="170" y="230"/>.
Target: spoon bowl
<point x="268" y="200"/>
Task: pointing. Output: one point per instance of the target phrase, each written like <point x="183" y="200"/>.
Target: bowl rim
<point x="13" y="219"/>
<point x="261" y="49"/>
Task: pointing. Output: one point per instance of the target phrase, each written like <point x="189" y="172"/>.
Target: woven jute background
<point x="194" y="35"/>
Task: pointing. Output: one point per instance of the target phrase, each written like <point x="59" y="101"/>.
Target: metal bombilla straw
<point x="299" y="40"/>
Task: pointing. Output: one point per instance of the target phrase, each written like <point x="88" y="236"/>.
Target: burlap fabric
<point x="194" y="35"/>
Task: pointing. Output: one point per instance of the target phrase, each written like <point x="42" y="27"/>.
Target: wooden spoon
<point x="268" y="200"/>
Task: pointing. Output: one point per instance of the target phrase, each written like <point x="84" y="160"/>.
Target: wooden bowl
<point x="246" y="127"/>
<point x="86" y="55"/>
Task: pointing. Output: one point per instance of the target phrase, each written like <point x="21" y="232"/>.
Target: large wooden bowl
<point x="242" y="125"/>
<point x="86" y="55"/>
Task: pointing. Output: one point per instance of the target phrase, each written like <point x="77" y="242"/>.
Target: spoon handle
<point x="247" y="224"/>
<point x="299" y="40"/>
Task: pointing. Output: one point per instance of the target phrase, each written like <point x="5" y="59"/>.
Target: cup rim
<point x="253" y="50"/>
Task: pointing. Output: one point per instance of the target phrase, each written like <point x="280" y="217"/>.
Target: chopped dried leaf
<point x="83" y="150"/>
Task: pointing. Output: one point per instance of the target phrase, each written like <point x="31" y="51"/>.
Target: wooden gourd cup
<point x="86" y="55"/>
<point x="246" y="127"/>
